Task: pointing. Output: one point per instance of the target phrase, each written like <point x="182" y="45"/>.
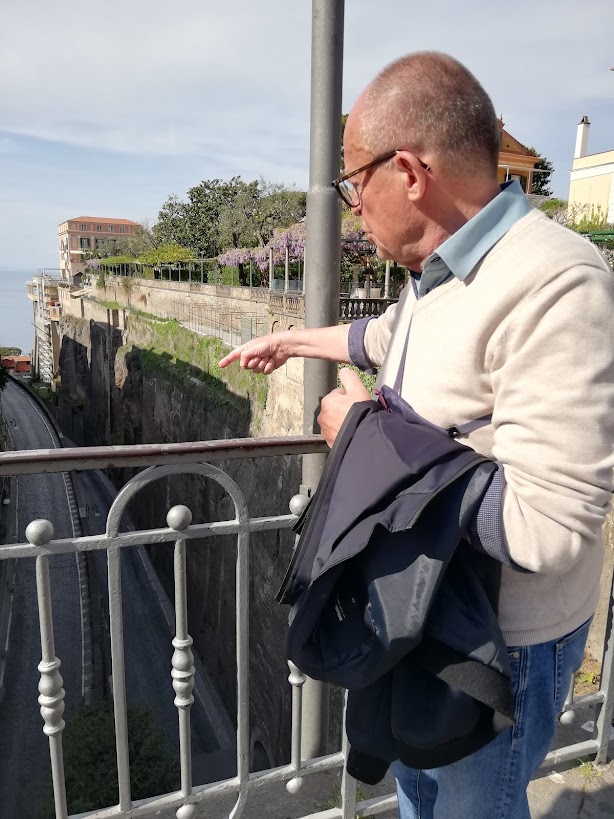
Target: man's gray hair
<point x="428" y="101"/>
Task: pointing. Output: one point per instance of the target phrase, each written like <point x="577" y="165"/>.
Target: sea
<point x="16" y="314"/>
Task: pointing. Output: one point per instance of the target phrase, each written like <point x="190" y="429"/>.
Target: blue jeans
<point x="492" y="783"/>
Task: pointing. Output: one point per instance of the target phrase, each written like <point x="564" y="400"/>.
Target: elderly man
<point x="507" y="335"/>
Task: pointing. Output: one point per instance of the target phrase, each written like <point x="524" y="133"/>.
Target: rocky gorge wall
<point x="156" y="382"/>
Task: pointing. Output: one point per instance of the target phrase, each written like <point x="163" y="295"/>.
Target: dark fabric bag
<point x="376" y="580"/>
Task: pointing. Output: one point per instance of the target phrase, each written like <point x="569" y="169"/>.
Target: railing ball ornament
<point x="39" y="532"/>
<point x="298" y="504"/>
<point x="296" y="676"/>
<point x="186" y="812"/>
<point x="179" y="518"/>
<point x="293" y="786"/>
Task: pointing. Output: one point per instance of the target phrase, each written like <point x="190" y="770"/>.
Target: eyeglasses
<point x="349" y="192"/>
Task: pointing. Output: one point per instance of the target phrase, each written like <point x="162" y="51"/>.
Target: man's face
<point x="386" y="213"/>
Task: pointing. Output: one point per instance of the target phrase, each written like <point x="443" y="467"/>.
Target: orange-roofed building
<point x="79" y="236"/>
<point x="18" y="365"/>
<point x="515" y="161"/>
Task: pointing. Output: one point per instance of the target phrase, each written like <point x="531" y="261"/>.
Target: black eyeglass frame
<point x="336" y="183"/>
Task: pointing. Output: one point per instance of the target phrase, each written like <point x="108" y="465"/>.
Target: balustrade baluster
<point x="120" y="711"/>
<point x="178" y="519"/>
<point x="51" y="690"/>
<point x="297" y="681"/>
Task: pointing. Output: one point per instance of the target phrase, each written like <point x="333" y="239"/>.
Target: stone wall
<point x="155" y="382"/>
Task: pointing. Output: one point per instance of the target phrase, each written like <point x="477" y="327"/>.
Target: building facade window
<point x="83" y="227"/>
<point x="110" y="228"/>
<point x="99" y="228"/>
<point x="84" y="242"/>
<point x="122" y="230"/>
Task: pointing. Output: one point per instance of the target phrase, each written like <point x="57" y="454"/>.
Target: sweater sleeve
<point x="552" y="373"/>
<point x="378" y="333"/>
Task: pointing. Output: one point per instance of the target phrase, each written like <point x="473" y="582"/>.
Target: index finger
<point x="233" y="355"/>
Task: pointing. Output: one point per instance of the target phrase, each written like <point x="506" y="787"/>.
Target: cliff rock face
<point x="158" y="383"/>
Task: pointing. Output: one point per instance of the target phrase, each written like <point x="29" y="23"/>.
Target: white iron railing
<point x="162" y="461"/>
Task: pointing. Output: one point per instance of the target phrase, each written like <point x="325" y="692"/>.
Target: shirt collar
<point x="463" y="250"/>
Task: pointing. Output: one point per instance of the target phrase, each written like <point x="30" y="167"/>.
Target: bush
<point x="90" y="759"/>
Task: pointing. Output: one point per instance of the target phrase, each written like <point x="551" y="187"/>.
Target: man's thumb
<point x="352" y="385"/>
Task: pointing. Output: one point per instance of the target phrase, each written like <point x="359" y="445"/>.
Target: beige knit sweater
<point x="528" y="337"/>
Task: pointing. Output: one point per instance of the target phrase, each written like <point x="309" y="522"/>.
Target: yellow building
<point x="591" y="180"/>
<point x="515" y="161"/>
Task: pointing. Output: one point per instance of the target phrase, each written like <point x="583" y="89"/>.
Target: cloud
<point x="112" y="108"/>
<point x="210" y="78"/>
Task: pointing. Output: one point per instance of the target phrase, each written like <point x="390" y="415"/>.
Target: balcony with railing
<point x="200" y="458"/>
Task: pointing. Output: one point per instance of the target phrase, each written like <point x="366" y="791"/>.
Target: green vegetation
<point x="221" y="214"/>
<point x="587" y="221"/>
<point x="542" y="179"/>
<point x="6" y="351"/>
<point x="588" y="771"/>
<point x="578" y="218"/>
<point x="180" y="354"/>
<point x="110" y="305"/>
<point x="42" y="390"/>
<point x="550" y="206"/>
<point x="335" y="799"/>
<point x="163" y="254"/>
<point x="367" y="380"/>
<point x="90" y="759"/>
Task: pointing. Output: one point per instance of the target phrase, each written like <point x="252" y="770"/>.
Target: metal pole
<point x="271" y="270"/>
<point x="287" y="271"/>
<point x="322" y="266"/>
<point x="387" y="280"/>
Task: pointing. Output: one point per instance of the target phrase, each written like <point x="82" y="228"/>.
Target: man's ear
<point x="415" y="175"/>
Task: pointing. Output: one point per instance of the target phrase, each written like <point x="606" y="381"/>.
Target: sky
<point x="108" y="109"/>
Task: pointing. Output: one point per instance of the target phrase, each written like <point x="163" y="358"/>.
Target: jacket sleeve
<point x="485" y="531"/>
<point x="552" y="372"/>
<point x="356" y="345"/>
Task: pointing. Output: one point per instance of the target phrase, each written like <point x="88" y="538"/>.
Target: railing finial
<point x="179" y="518"/>
<point x="39" y="532"/>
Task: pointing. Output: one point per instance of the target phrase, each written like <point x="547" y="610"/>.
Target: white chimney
<point x="582" y="138"/>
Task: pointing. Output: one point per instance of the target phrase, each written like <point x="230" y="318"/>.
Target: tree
<point x="172" y="222"/>
<point x="220" y="215"/>
<point x="207" y="201"/>
<point x="278" y="208"/>
<point x="141" y="240"/>
<point x="3" y="376"/>
<point x="541" y="180"/>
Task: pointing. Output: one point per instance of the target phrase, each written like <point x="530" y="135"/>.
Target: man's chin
<point x="383" y="254"/>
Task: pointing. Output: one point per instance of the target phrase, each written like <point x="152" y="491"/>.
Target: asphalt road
<point x="25" y="773"/>
<point x="24" y="749"/>
<point x="147" y="632"/>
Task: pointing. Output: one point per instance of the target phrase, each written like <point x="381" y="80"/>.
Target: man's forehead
<point x="354" y="149"/>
